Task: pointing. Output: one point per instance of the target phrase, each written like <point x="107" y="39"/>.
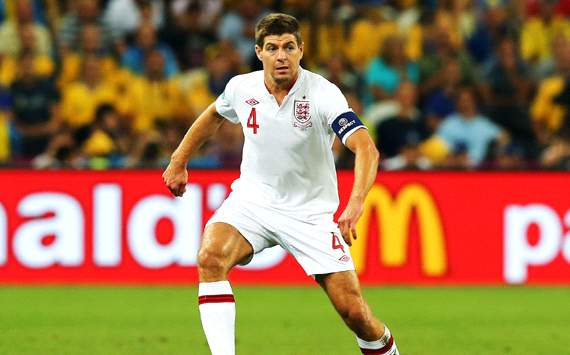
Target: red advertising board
<point x="417" y="228"/>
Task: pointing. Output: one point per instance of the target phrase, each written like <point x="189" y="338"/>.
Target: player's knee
<point x="211" y="262"/>
<point x="356" y="316"/>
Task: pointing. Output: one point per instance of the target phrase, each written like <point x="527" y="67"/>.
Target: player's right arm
<point x="206" y="125"/>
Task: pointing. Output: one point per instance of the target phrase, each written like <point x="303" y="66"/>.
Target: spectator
<point x="386" y="72"/>
<point x="42" y="64"/>
<point x="108" y="141"/>
<point x="81" y="98"/>
<point x="34" y="108"/>
<point x="210" y="11"/>
<point x="441" y="102"/>
<point x="10" y="38"/>
<point x="238" y="27"/>
<point x="154" y="97"/>
<point x="468" y="128"/>
<point x="456" y="18"/>
<point x="186" y="35"/>
<point x="86" y="12"/>
<point x="439" y="50"/>
<point x="339" y="71"/>
<point x="126" y="16"/>
<point x="507" y="90"/>
<point x="547" y="114"/>
<point x="368" y="34"/>
<point x="322" y="35"/>
<point x="404" y="128"/>
<point x="538" y="31"/>
<point x="498" y="19"/>
<point x="91" y="45"/>
<point x="204" y="85"/>
<point x="134" y="57"/>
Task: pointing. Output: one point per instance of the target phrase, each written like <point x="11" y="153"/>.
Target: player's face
<point x="280" y="55"/>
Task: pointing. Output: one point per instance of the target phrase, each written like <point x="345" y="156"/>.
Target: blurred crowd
<point x="457" y="84"/>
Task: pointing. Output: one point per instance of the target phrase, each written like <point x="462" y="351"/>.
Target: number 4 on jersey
<point x="336" y="243"/>
<point x="252" y="121"/>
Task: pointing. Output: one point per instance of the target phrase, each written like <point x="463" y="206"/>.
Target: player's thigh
<point x="343" y="289"/>
<point x="223" y="245"/>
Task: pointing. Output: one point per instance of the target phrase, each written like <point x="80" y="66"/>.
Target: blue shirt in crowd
<point x="388" y="78"/>
<point x="476" y="133"/>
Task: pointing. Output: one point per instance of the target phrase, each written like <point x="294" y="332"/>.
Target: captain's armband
<point x="345" y="124"/>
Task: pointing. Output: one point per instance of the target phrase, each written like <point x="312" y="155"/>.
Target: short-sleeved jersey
<point x="287" y="157"/>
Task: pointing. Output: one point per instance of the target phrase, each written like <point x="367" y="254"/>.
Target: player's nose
<point x="281" y="55"/>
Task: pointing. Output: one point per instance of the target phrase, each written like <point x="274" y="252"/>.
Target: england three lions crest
<point x="302" y="113"/>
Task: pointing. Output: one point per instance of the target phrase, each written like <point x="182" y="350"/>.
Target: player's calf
<point x="372" y="336"/>
<point x="359" y="319"/>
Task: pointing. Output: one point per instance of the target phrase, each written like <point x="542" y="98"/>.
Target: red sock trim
<point x="380" y="351"/>
<point x="216" y="299"/>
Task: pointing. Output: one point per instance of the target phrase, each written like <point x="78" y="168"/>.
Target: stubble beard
<point x="285" y="81"/>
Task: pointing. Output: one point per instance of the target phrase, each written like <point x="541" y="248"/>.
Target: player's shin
<point x="383" y="346"/>
<point x="217" y="312"/>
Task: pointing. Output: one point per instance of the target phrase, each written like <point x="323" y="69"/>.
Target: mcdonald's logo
<point x="394" y="217"/>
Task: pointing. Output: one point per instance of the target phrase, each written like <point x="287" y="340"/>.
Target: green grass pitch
<point x="278" y="321"/>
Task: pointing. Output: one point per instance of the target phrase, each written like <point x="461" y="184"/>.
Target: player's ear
<point x="302" y="49"/>
<point x="258" y="51"/>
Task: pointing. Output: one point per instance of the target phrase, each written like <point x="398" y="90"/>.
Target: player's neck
<point x="282" y="88"/>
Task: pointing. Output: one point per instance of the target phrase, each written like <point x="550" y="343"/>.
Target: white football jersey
<point x="287" y="158"/>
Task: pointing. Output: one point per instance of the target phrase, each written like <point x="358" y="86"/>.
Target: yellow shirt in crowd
<point x="71" y="68"/>
<point x="329" y="40"/>
<point x="80" y="101"/>
<point x="151" y="101"/>
<point x="543" y="108"/>
<point x="366" y="41"/>
<point x="4" y="138"/>
<point x="43" y="66"/>
<point x="536" y="37"/>
<point x="197" y="93"/>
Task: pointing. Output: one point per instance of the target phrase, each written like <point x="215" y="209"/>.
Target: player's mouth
<point x="282" y="69"/>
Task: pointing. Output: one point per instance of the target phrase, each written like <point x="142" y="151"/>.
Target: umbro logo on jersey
<point x="251" y="102"/>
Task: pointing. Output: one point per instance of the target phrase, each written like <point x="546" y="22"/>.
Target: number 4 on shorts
<point x="336" y="244"/>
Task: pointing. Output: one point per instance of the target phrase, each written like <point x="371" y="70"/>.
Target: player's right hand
<point x="349" y="218"/>
<point x="175" y="178"/>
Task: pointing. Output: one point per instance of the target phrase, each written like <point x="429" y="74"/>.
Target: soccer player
<point x="287" y="193"/>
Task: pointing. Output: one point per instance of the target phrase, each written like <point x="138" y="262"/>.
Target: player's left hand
<point x="348" y="219"/>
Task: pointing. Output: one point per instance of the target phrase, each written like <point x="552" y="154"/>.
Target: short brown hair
<point x="277" y="24"/>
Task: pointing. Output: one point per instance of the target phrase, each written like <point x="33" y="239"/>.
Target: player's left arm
<point x="365" y="170"/>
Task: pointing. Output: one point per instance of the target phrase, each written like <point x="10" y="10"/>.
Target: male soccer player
<point x="287" y="193"/>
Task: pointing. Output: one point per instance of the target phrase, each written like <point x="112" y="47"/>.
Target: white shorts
<point x="317" y="246"/>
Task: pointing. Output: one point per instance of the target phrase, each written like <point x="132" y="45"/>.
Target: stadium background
<point x="464" y="246"/>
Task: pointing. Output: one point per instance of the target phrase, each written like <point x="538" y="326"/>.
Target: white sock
<point x="218" y="313"/>
<point x="383" y="346"/>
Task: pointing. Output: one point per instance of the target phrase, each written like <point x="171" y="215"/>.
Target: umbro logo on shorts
<point x="345" y="258"/>
<point x="252" y="102"/>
